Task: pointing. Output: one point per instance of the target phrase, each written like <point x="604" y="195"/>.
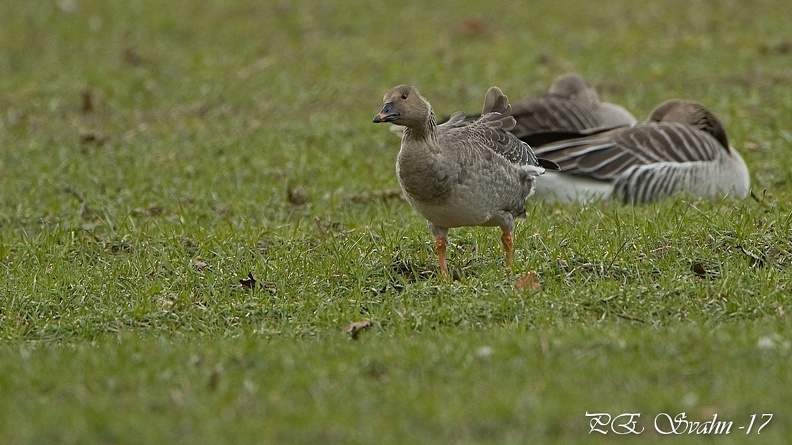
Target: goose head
<point x="572" y="86"/>
<point x="404" y="105"/>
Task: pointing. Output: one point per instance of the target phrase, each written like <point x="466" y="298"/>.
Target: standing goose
<point x="461" y="173"/>
<point x="681" y="148"/>
<point x="570" y="105"/>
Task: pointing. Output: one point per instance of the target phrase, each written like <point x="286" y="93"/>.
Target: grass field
<point x="195" y="204"/>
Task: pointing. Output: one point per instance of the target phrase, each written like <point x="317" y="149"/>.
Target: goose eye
<point x="404" y="96"/>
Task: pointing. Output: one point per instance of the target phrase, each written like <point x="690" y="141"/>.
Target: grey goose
<point x="461" y="173"/>
<point x="571" y="104"/>
<point x="681" y="148"/>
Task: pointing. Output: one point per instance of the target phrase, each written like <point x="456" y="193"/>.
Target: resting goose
<point x="572" y="105"/>
<point x="461" y="173"/>
<point x="681" y="148"/>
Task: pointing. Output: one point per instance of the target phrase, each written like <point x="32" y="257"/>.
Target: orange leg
<point x="440" y="243"/>
<point x="508" y="245"/>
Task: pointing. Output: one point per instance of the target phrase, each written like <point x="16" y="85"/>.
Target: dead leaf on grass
<point x="354" y="328"/>
<point x="528" y="282"/>
<point x="131" y="56"/>
<point x="214" y="377"/>
<point x="472" y="27"/>
<point x="375" y="371"/>
<point x="201" y="265"/>
<point x="89" y="138"/>
<point x="87" y="101"/>
<point x="296" y="195"/>
<point x="699" y="270"/>
<point x="249" y="282"/>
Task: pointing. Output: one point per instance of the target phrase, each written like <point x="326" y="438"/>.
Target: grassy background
<point x="153" y="154"/>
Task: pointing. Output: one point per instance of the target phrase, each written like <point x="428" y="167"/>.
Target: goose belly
<point x="457" y="210"/>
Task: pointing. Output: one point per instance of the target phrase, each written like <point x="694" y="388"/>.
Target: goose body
<point x="681" y="148"/>
<point x="461" y="173"/>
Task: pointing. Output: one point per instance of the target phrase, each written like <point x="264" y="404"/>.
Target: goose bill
<point x="388" y="114"/>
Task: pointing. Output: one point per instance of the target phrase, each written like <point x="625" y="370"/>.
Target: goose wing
<point x="490" y="130"/>
<point x="608" y="154"/>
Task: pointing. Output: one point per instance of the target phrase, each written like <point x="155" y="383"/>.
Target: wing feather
<point x="492" y="130"/>
<point x="610" y="153"/>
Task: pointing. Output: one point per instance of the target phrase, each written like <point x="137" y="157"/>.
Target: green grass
<point x="148" y="151"/>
